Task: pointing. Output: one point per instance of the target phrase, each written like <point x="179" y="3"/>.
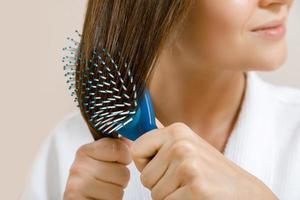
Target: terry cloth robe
<point x="265" y="142"/>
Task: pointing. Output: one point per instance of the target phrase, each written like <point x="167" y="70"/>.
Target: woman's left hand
<point x="175" y="164"/>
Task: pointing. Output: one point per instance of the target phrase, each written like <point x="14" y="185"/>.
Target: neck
<point x="207" y="100"/>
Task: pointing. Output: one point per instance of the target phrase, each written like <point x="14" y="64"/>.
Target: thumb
<point x="159" y="124"/>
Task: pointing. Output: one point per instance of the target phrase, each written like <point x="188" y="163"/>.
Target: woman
<point x="223" y="132"/>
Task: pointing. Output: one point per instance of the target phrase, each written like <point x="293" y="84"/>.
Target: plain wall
<point x="34" y="96"/>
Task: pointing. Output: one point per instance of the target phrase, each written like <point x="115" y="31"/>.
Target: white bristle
<point x="105" y="87"/>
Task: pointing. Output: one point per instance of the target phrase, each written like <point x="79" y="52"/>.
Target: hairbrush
<point x="107" y="96"/>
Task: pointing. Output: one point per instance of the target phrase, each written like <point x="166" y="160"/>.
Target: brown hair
<point x="137" y="29"/>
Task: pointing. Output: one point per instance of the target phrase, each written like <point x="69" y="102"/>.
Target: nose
<point x="270" y="3"/>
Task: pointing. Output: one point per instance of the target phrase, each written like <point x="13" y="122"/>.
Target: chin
<point x="269" y="59"/>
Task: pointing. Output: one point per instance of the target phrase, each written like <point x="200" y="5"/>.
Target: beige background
<point x="34" y="96"/>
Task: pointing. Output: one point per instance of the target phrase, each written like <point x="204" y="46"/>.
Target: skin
<point x="99" y="170"/>
<point x="204" y="67"/>
<point x="200" y="80"/>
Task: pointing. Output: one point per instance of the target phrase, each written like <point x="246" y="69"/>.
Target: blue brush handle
<point x="143" y="121"/>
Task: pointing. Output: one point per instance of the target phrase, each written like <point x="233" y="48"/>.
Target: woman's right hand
<point x="99" y="170"/>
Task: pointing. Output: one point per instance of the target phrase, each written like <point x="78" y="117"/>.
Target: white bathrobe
<point x="265" y="141"/>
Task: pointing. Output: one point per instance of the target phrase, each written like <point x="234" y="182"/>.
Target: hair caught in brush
<point x="132" y="31"/>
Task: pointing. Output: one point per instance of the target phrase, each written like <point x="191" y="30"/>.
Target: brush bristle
<point x="70" y="58"/>
<point x="105" y="91"/>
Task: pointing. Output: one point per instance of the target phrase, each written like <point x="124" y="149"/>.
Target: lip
<point x="270" y="25"/>
<point x="273" y="30"/>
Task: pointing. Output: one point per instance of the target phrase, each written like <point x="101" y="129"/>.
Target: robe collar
<point x="250" y="144"/>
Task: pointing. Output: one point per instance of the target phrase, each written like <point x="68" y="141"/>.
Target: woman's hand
<point x="99" y="170"/>
<point x="175" y="164"/>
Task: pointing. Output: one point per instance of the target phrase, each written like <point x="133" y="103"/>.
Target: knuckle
<point x="82" y="150"/>
<point x="179" y="127"/>
<point x="104" y="143"/>
<point x="181" y="148"/>
<point x="189" y="169"/>
<point x="125" y="176"/>
<point x="119" y="194"/>
<point x="74" y="186"/>
<point x="116" y="193"/>
<point x="156" y="193"/>
<point x="178" y="130"/>
<point x="75" y="169"/>
<point x="70" y="196"/>
<point x="197" y="188"/>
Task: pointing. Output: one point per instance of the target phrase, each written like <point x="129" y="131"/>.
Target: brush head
<point x="104" y="91"/>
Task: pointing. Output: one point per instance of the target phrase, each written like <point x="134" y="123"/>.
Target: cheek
<point x="218" y="28"/>
<point x="217" y="35"/>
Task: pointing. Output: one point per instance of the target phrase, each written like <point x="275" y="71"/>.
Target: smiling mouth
<point x="270" y="25"/>
<point x="273" y="33"/>
<point x="274" y="30"/>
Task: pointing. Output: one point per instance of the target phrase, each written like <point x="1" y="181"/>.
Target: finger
<point x="167" y="184"/>
<point x="155" y="169"/>
<point x="77" y="196"/>
<point x="110" y="172"/>
<point x="93" y="188"/>
<point x="108" y="149"/>
<point x="146" y="147"/>
<point x="180" y="193"/>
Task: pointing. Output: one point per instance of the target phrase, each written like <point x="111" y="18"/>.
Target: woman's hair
<point x="137" y="29"/>
<point x="132" y="31"/>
